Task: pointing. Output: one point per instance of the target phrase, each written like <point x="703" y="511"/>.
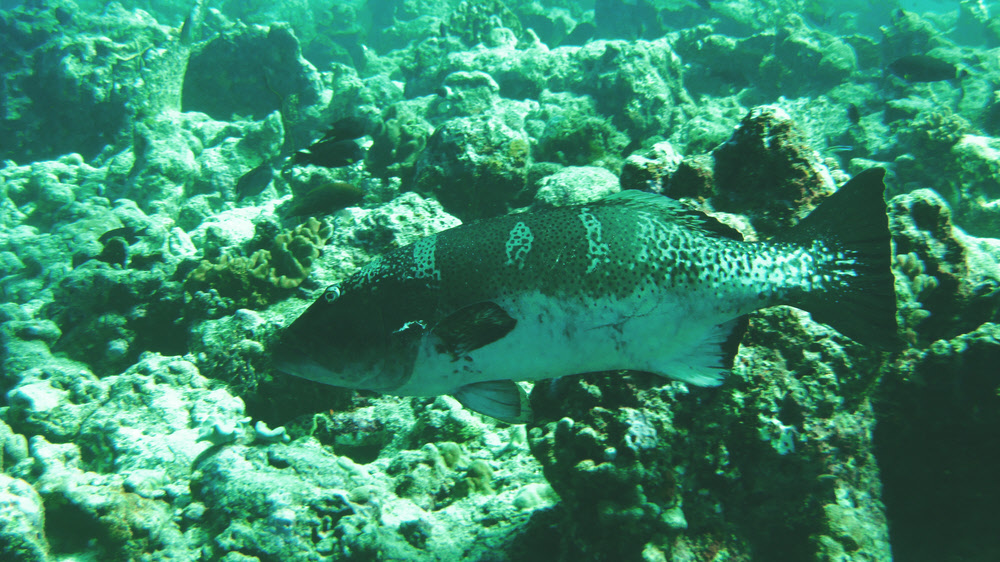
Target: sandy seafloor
<point x="156" y="235"/>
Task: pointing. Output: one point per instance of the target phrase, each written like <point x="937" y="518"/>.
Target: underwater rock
<point x="254" y="71"/>
<point x="473" y="22"/>
<point x="806" y="60"/>
<point x="938" y="410"/>
<point x="649" y="170"/>
<point x="908" y="34"/>
<point x="573" y="134"/>
<point x="73" y="82"/>
<point x="640" y="462"/>
<point x="475" y="166"/>
<point x="768" y="170"/>
<point x="177" y="156"/>
<point x="109" y="316"/>
<point x="399" y="139"/>
<point x="364" y="233"/>
<point x="948" y="282"/>
<point x="574" y="185"/>
<point x="22" y="522"/>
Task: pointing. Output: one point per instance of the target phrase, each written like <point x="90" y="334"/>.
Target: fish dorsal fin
<point x="504" y="400"/>
<point x="472" y="327"/>
<point x="671" y="209"/>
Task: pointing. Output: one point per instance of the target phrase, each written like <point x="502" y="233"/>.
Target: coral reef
<point x="266" y="274"/>
<point x="157" y="234"/>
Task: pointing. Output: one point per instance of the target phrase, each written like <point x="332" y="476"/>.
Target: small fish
<point x="706" y="4"/>
<point x="925" y="68"/>
<point x="255" y="181"/>
<point x="853" y="114"/>
<point x="325" y="199"/>
<point x="190" y="27"/>
<point x="634" y="281"/>
<point x="348" y="128"/>
<point x="581" y="34"/>
<point x="129" y="234"/>
<point x="330" y="154"/>
<point x="115" y="251"/>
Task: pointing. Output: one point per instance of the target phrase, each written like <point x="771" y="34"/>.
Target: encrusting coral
<point x="267" y="274"/>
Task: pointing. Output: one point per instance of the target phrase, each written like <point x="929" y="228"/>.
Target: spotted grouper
<point x="635" y="281"/>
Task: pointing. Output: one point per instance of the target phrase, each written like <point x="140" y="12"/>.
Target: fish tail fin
<point x="853" y="221"/>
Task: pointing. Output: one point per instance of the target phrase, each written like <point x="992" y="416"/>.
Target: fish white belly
<point x="556" y="338"/>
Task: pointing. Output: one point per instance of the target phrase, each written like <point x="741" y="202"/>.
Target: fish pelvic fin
<point x="504" y="400"/>
<point x="861" y="301"/>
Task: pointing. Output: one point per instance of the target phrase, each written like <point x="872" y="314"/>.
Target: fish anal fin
<point x="472" y="327"/>
<point x="504" y="400"/>
<point x="709" y="360"/>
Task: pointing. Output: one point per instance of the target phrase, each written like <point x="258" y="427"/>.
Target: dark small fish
<point x="190" y="28"/>
<point x="853" y="114"/>
<point x="255" y="181"/>
<point x="705" y="4"/>
<point x="325" y="199"/>
<point x="582" y="33"/>
<point x="348" y="128"/>
<point x="115" y="252"/>
<point x="925" y="68"/>
<point x="330" y="154"/>
<point x="129" y="234"/>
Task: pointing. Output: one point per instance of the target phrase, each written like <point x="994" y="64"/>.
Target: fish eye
<point x="331" y="293"/>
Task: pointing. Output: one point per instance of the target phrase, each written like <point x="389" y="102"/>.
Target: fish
<point x="325" y="199"/>
<point x="853" y="114"/>
<point x="632" y="282"/>
<point x="190" y="27"/>
<point x="129" y="234"/>
<point x="581" y="34"/>
<point x="925" y="68"/>
<point x="330" y="154"/>
<point x="255" y="181"/>
<point x="348" y="128"/>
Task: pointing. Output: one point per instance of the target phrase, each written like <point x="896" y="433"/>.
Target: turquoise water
<point x="182" y="181"/>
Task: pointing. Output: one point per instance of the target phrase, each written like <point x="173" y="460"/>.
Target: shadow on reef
<point x="938" y="445"/>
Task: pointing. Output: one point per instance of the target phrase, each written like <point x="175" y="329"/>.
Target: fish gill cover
<point x="487" y="193"/>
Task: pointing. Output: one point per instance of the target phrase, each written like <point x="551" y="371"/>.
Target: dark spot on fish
<point x="853" y="114"/>
<point x="925" y="68"/>
<point x="325" y="199"/>
<point x="330" y="154"/>
<point x="255" y="181"/>
<point x="472" y="327"/>
<point x="348" y="128"/>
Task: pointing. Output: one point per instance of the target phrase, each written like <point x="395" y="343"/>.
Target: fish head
<point x="349" y="338"/>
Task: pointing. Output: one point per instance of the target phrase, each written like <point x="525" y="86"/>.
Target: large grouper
<point x="632" y="282"/>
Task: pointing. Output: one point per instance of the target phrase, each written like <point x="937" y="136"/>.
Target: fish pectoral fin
<point x="504" y="400"/>
<point x="708" y="360"/>
<point x="472" y="327"/>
